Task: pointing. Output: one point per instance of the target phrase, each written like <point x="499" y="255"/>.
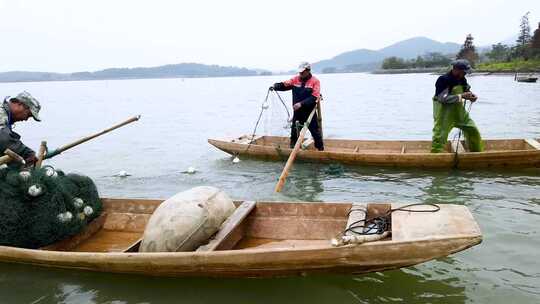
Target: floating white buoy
<point x="35" y="190"/>
<point x="88" y="210"/>
<point x="123" y="173"/>
<point x="78" y="202"/>
<point x="50" y="172"/>
<point x="25" y="175"/>
<point x="236" y="160"/>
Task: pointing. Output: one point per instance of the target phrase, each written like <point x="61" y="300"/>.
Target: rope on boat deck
<point x="375" y="228"/>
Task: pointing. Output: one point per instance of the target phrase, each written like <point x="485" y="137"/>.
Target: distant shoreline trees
<point x="527" y="46"/>
<point x="525" y="55"/>
<point x="429" y="60"/>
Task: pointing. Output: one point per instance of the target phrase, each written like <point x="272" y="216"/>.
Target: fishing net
<point x="42" y="206"/>
<point x="276" y="116"/>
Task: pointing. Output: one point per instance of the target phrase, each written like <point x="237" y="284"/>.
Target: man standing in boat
<point x="451" y="93"/>
<point x="18" y="108"/>
<point x="306" y="93"/>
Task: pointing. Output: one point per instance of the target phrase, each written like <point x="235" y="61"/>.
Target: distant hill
<point x="165" y="71"/>
<point x="368" y="60"/>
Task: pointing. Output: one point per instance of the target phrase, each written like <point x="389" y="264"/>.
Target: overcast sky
<point x="72" y="35"/>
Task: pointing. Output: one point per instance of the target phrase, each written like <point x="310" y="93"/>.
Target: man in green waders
<point x="451" y="93"/>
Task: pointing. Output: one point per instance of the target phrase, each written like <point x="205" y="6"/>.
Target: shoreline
<point x="480" y="72"/>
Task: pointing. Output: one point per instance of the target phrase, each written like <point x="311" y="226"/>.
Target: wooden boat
<point x="259" y="239"/>
<point x="498" y="152"/>
<point x="525" y="78"/>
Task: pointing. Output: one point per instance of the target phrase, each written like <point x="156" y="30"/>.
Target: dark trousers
<point x="313" y="129"/>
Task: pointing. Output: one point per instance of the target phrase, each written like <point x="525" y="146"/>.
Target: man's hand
<point x="30" y="160"/>
<point x="271" y="88"/>
<point x="467" y="95"/>
<point x="473" y="98"/>
<point x="297" y="106"/>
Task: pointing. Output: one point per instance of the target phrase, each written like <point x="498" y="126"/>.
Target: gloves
<point x="271" y="88"/>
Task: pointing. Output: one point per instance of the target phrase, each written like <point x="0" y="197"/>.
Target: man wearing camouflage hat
<point x="14" y="109"/>
<point x="451" y="93"/>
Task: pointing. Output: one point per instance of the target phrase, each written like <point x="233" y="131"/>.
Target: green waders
<point x="448" y="116"/>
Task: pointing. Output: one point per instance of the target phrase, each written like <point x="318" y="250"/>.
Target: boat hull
<point x="406" y="154"/>
<point x="250" y="263"/>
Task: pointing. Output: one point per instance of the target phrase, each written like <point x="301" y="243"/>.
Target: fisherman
<point x="305" y="94"/>
<point x="451" y="94"/>
<point x="14" y="109"/>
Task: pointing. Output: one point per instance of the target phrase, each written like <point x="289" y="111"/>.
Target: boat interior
<point x="390" y="146"/>
<point x="252" y="225"/>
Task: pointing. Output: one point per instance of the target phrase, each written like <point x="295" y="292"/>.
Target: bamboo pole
<point x="85" y="139"/>
<point x="41" y="154"/>
<point x="295" y="150"/>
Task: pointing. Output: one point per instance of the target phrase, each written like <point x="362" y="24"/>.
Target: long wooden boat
<point x="518" y="153"/>
<point x="259" y="239"/>
<point x="525" y="78"/>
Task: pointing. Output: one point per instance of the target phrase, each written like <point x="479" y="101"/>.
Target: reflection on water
<point x="65" y="286"/>
<point x="173" y="137"/>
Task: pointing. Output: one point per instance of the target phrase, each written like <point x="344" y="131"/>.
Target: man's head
<point x="460" y="68"/>
<point x="24" y="106"/>
<point x="304" y="70"/>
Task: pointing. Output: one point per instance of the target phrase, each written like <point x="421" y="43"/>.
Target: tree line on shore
<point x="525" y="54"/>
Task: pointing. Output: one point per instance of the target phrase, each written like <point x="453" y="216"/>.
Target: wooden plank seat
<point x="533" y="143"/>
<point x="230" y="232"/>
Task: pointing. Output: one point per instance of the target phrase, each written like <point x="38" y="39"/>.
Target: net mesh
<point x="40" y="207"/>
<point x="276" y="118"/>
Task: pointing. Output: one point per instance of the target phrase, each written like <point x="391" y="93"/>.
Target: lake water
<point x="179" y="115"/>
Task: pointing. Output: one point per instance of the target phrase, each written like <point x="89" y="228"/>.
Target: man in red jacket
<point x="305" y="92"/>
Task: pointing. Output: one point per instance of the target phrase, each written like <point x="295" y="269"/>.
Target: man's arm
<point x="281" y="86"/>
<point x="11" y="140"/>
<point x="442" y="92"/>
<point x="285" y="85"/>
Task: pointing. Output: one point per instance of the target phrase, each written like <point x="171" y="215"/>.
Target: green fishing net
<point x="40" y="207"/>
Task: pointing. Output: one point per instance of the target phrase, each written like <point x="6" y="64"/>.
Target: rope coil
<point x="375" y="228"/>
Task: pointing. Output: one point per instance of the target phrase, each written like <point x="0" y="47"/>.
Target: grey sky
<point x="71" y="35"/>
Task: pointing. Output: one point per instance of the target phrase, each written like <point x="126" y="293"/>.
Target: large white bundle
<point x="186" y="220"/>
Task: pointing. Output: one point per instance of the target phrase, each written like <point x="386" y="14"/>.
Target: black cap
<point x="462" y="64"/>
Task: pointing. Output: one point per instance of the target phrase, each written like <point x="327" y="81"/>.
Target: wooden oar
<point x="295" y="150"/>
<point x="85" y="139"/>
<point x="41" y="154"/>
